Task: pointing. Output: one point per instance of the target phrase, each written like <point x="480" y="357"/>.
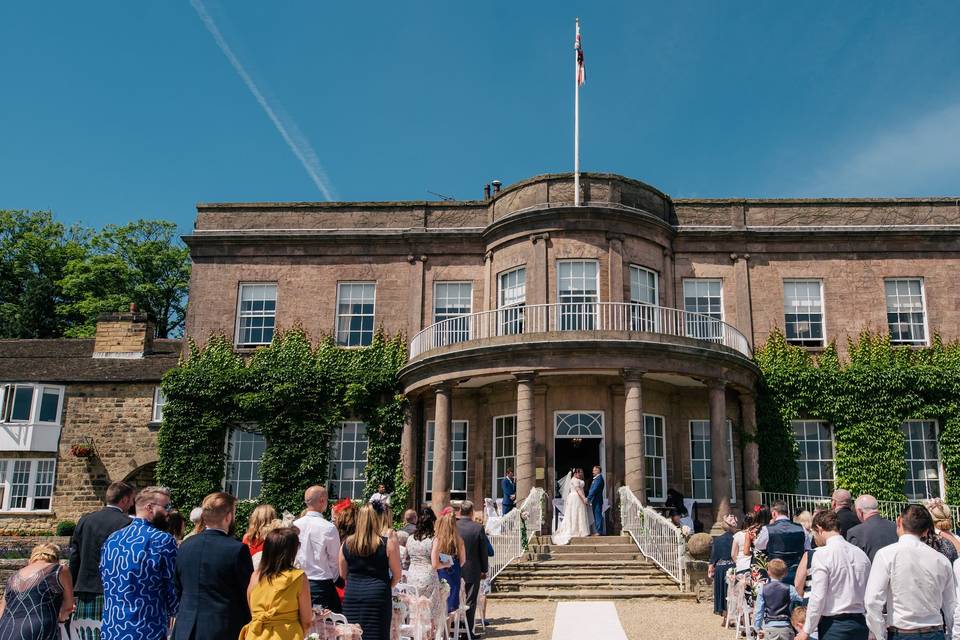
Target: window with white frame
<point x="511" y="299"/>
<point x="256" y="313"/>
<point x="704" y="297"/>
<point x="577" y="287"/>
<point x="644" y="291"/>
<point x="815" y="460"/>
<point x="655" y="458"/>
<point x="452" y="304"/>
<point x="701" y="458"/>
<point x="158" y="401"/>
<point x="579" y="424"/>
<point x="803" y="312"/>
<point x="906" y="316"/>
<point x="244" y="453"/>
<point x="355" y="309"/>
<point x="458" y="459"/>
<point x="31" y="403"/>
<point x="504" y="450"/>
<point x="923" y="460"/>
<point x="348" y="461"/>
<point x="26" y="485"/>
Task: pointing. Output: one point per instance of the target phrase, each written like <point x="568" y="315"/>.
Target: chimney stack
<point x="123" y="335"/>
<point x="496" y="186"/>
<point x="486" y="192"/>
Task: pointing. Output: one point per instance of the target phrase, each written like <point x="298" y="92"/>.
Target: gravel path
<point x="641" y="619"/>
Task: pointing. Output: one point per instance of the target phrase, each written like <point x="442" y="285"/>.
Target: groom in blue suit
<point x="509" y="488"/>
<point x="595" y="498"/>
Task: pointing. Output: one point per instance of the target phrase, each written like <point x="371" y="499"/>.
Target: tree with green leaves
<point x="143" y="262"/>
<point x="34" y="254"/>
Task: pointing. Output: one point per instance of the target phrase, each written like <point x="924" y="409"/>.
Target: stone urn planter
<point x="699" y="546"/>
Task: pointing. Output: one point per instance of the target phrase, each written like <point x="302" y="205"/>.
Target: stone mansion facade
<point x="545" y="336"/>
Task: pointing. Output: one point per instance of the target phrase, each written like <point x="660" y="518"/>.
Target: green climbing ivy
<point x="866" y="398"/>
<point x="295" y="394"/>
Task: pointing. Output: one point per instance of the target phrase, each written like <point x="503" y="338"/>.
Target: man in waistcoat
<point x="783" y="539"/>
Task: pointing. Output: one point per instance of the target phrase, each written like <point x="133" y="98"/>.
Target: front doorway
<point x="578" y="444"/>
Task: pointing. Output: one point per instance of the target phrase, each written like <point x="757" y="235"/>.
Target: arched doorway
<point x="143" y="476"/>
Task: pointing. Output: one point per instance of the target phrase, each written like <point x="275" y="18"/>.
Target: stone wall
<point x="116" y="419"/>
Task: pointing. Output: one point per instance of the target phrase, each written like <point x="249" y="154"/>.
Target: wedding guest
<point x="367" y="562"/>
<point x="675" y="501"/>
<point x="86" y="544"/>
<point x="477" y="550"/>
<point x="874" y="531"/>
<point x="213" y="570"/>
<point x="410" y="521"/>
<point x="176" y="526"/>
<point x="840" y="571"/>
<point x="773" y="604"/>
<point x="509" y="487"/>
<point x="345" y="517"/>
<point x="278" y="593"/>
<point x="196" y="517"/>
<point x="37" y="598"/>
<point x="402" y="538"/>
<point x="803" y="580"/>
<point x="910" y="592"/>
<point x="595" y="498"/>
<point x="137" y="568"/>
<point x="783" y="539"/>
<point x="380" y="495"/>
<point x="452" y="554"/>
<point x="840" y="502"/>
<point x="720" y="560"/>
<point x="319" y="549"/>
<point x="264" y="531"/>
<point x="798" y="617"/>
<point x="424" y="564"/>
<point x="947" y="542"/>
<point x="261" y="516"/>
<point x="740" y="553"/>
<point x="805" y="520"/>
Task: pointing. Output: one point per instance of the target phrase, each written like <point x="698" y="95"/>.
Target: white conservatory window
<point x="906" y="314"/>
<point x="256" y="314"/>
<point x="701" y="459"/>
<point x="244" y="453"/>
<point x="458" y="459"/>
<point x="348" y="461"/>
<point x="815" y="462"/>
<point x="355" y="313"/>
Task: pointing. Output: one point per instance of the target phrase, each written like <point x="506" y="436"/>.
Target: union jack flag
<point x="581" y="69"/>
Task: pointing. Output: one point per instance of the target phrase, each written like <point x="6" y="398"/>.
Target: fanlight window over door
<point x="580" y="425"/>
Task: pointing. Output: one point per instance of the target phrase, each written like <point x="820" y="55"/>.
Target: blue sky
<point x="118" y="110"/>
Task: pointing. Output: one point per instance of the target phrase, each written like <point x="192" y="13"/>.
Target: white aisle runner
<point x="579" y="620"/>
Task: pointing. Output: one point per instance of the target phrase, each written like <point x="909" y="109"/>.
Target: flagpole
<point x="576" y="120"/>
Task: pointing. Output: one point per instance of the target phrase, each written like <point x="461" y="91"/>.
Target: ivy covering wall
<point x="294" y="394"/>
<point x="865" y="397"/>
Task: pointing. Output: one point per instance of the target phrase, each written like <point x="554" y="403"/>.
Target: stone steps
<point x="593" y="568"/>
<point x="591" y="594"/>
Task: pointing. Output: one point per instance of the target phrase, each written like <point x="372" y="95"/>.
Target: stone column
<point x="633" y="436"/>
<point x="440" y="488"/>
<point x="615" y="265"/>
<point x="525" y="471"/>
<point x="751" y="452"/>
<point x="719" y="449"/>
<point x="408" y="444"/>
<point x="668" y="286"/>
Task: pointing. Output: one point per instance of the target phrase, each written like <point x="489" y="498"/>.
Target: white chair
<point x="406" y="588"/>
<point x="458" y="617"/>
<point x="81" y="630"/>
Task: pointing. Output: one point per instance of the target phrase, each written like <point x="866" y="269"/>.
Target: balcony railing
<point x="798" y="502"/>
<point x="578" y="316"/>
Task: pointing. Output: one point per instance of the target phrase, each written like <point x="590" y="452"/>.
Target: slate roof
<point x="71" y="360"/>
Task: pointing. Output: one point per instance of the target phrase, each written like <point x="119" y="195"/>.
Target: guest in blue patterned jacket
<point x="137" y="567"/>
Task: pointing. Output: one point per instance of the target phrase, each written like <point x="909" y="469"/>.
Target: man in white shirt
<point x="840" y="572"/>
<point x="319" y="550"/>
<point x="913" y="581"/>
<point x="381" y="495"/>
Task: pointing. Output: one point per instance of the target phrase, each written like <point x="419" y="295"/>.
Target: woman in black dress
<point x="370" y="563"/>
<point x="38" y="597"/>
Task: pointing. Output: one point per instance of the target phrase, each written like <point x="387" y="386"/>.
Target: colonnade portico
<point x="626" y="447"/>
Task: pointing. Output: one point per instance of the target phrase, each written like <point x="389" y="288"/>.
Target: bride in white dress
<point x="576" y="514"/>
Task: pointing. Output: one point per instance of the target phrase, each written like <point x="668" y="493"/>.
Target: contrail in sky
<point x="288" y="130"/>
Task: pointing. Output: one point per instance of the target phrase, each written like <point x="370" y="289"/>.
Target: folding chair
<point x="458" y="617"/>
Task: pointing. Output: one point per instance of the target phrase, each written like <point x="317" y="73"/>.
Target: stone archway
<point x="143" y="476"/>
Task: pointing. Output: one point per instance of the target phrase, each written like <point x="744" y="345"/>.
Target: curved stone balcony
<point x="578" y="336"/>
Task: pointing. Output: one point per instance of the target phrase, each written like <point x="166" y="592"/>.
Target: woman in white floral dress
<point x="422" y="573"/>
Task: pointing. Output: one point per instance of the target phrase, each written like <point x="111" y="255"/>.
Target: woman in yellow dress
<point x="279" y="595"/>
